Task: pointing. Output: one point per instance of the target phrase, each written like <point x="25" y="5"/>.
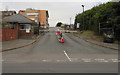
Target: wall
<point x="41" y="17"/>
<point x="23" y="33"/>
<point x="0" y="34"/>
<point x="9" y="34"/>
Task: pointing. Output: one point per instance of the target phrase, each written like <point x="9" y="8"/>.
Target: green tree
<point x="59" y="24"/>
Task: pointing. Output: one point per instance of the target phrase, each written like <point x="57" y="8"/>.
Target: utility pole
<point x="70" y="20"/>
<point x="99" y="28"/>
<point x="83" y="18"/>
<point x="6" y="8"/>
<point x="70" y="23"/>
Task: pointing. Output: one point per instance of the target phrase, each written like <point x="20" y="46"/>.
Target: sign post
<point x="78" y="25"/>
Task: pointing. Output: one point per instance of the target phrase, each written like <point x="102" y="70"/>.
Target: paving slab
<point x="15" y="43"/>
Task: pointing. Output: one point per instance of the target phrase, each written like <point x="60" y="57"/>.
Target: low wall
<point x="23" y="33"/>
<point x="8" y="34"/>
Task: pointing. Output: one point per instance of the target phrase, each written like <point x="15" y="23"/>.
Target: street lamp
<point x="83" y="17"/>
<point x="70" y="20"/>
<point x="70" y="23"/>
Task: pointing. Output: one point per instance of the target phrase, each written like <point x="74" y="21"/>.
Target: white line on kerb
<point x="67" y="56"/>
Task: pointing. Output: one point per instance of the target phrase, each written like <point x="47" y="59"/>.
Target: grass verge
<point x="90" y="34"/>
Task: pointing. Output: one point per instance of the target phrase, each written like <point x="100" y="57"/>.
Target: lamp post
<point x="70" y="20"/>
<point x="83" y="17"/>
<point x="70" y="23"/>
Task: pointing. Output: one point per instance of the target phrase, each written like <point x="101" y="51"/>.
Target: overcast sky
<point x="59" y="10"/>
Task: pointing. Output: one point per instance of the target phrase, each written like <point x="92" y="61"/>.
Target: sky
<point x="59" y="10"/>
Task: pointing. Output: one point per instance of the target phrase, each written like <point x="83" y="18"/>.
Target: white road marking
<point x="86" y="60"/>
<point x="99" y="59"/>
<point x="46" y="60"/>
<point x="114" y="60"/>
<point x="60" y="60"/>
<point x="105" y="61"/>
<point x="67" y="56"/>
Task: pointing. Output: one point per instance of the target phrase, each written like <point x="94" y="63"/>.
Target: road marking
<point x="114" y="60"/>
<point x="61" y="60"/>
<point x="67" y="56"/>
<point x="100" y="60"/>
<point x="46" y="60"/>
<point x="86" y="60"/>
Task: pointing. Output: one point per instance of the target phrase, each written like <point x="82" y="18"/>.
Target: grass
<point x="30" y="37"/>
<point x="116" y="42"/>
<point x="91" y="35"/>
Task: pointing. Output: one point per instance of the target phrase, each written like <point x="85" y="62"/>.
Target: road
<point x="49" y="56"/>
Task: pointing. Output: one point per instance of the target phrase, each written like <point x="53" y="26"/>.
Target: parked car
<point x="108" y="37"/>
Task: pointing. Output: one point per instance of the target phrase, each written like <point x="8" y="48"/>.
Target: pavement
<point x="47" y="55"/>
<point x="18" y="43"/>
<point x="99" y="43"/>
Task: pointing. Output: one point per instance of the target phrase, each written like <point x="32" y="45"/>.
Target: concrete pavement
<point x="18" y="43"/>
<point x="15" y="43"/>
<point x="100" y="43"/>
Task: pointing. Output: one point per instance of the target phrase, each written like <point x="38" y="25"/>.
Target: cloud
<point x="115" y="0"/>
<point x="55" y="0"/>
<point x="58" y="11"/>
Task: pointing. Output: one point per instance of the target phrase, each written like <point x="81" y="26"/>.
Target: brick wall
<point x="23" y="33"/>
<point x="0" y="34"/>
<point x="9" y="34"/>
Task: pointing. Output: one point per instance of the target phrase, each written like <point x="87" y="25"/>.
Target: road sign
<point x="78" y="24"/>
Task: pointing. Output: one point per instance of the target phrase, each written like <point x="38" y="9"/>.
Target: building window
<point x="32" y="18"/>
<point x="27" y="26"/>
<point x="24" y="26"/>
<point x="28" y="14"/>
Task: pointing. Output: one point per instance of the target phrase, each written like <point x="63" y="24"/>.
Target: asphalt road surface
<point x="49" y="56"/>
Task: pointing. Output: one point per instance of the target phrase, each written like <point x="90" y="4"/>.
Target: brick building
<point x="16" y="26"/>
<point x="39" y="16"/>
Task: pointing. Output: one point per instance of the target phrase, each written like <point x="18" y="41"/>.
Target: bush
<point x="104" y="13"/>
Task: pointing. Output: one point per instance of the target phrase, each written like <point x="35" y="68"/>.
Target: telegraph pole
<point x="70" y="20"/>
<point x="6" y="8"/>
<point x="70" y="23"/>
<point x="99" y="28"/>
<point x="83" y="18"/>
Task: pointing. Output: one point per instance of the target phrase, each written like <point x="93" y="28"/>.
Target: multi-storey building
<point x="39" y="16"/>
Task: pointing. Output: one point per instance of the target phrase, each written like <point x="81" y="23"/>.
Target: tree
<point x="59" y="24"/>
<point x="103" y="13"/>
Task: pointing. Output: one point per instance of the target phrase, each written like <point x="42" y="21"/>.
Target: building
<point x="69" y="27"/>
<point x="16" y="26"/>
<point x="4" y="14"/>
<point x="8" y="13"/>
<point x="39" y="16"/>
